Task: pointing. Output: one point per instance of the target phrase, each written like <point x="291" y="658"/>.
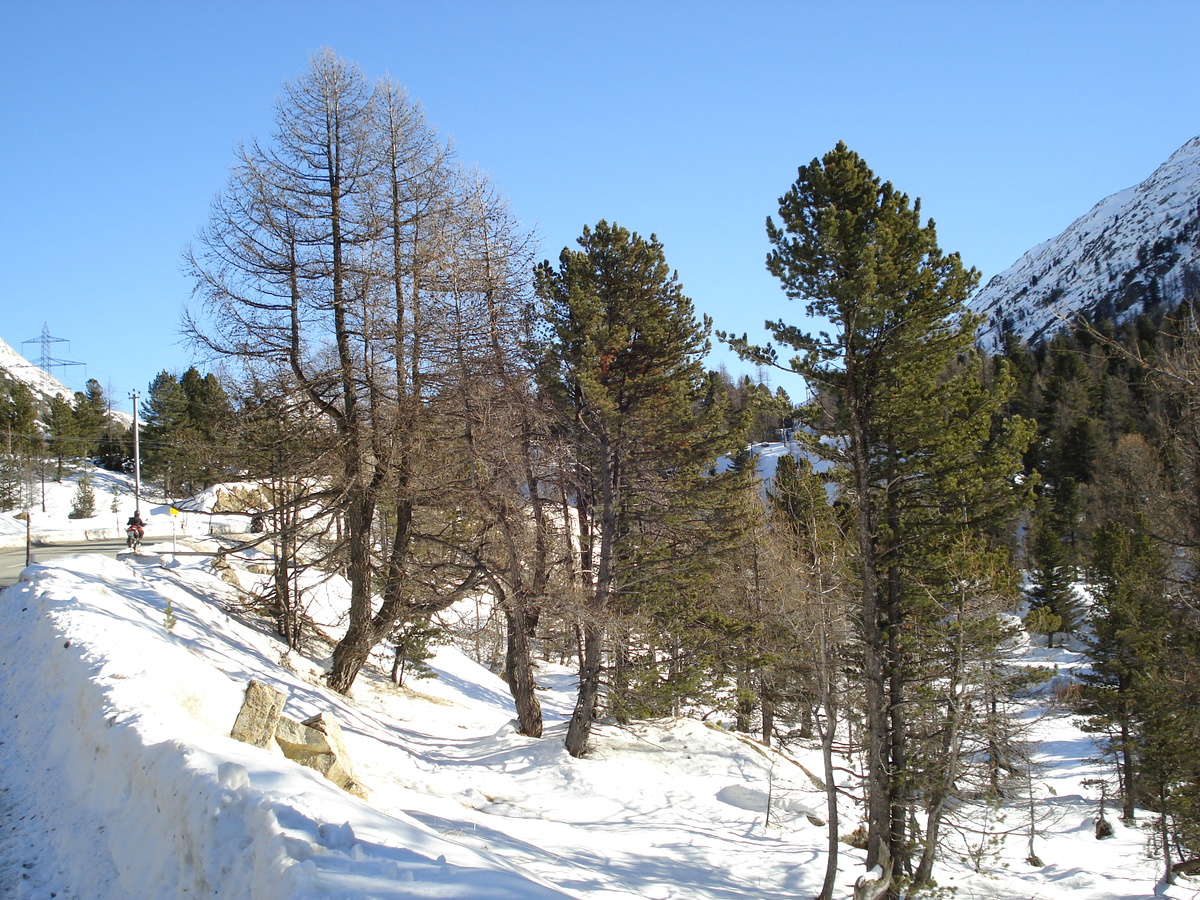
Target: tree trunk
<point x="897" y="728"/>
<point x="767" y="701"/>
<point x="937" y="805"/>
<point x="1127" y="770"/>
<point x="619" y="679"/>
<point x="879" y="791"/>
<point x="587" y="702"/>
<point x="827" y="724"/>
<point x="1164" y="837"/>
<point x="744" y="708"/>
<point x="352" y="651"/>
<point x="518" y="670"/>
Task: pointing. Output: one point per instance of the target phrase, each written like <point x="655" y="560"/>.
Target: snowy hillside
<point x="1134" y="250"/>
<point x="120" y="779"/>
<point x="20" y="369"/>
<point x="42" y="383"/>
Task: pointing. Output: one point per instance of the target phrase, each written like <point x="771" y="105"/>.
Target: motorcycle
<point x="133" y="537"/>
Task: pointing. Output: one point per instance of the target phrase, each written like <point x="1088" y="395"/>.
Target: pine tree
<point x="63" y="433"/>
<point x="10" y="482"/>
<point x="18" y="417"/>
<point x="185" y="435"/>
<point x="922" y="451"/>
<point x="1128" y="645"/>
<point x="20" y="440"/>
<point x="1144" y="692"/>
<point x="1051" y="577"/>
<point x="164" y="414"/>
<point x="623" y="362"/>
<point x="413" y="644"/>
<point x="815" y="623"/>
<point x="90" y="412"/>
<point x="83" y="505"/>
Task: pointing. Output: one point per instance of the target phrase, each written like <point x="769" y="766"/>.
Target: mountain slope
<point x="43" y="384"/>
<point x="15" y="367"/>
<point x="1136" y="251"/>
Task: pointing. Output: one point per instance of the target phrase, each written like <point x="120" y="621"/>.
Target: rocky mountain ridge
<point x="1135" y="251"/>
<point x="15" y="367"/>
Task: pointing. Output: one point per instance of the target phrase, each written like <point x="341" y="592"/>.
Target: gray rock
<point x="259" y="715"/>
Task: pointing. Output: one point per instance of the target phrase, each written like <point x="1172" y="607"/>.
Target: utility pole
<point x="137" y="458"/>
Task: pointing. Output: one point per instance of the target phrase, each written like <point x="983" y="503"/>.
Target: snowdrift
<point x="160" y="803"/>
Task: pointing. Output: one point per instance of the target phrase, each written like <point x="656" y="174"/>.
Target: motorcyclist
<point x="135" y="525"/>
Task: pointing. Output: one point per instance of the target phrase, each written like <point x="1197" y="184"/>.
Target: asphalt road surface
<point x="13" y="561"/>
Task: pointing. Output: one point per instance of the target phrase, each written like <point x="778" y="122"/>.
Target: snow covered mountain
<point x="15" y="367"/>
<point x="1135" y="251"/>
<point x="18" y="368"/>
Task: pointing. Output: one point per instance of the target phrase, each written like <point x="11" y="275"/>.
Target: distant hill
<point x="43" y="384"/>
<point x="1135" y="251"/>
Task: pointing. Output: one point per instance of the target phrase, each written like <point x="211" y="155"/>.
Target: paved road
<point x="13" y="561"/>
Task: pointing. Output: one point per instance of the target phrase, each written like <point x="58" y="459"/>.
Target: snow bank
<point x="157" y="802"/>
<point x="151" y="809"/>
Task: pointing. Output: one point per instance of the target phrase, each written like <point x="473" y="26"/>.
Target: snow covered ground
<point x="119" y="780"/>
<point x="49" y="506"/>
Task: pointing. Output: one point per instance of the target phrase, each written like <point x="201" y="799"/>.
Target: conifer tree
<point x="83" y="504"/>
<point x="1128" y="645"/>
<point x="330" y="267"/>
<point x="818" y="620"/>
<point x="921" y="449"/>
<point x="91" y="416"/>
<point x="623" y="362"/>
<point x="186" y="422"/>
<point x="63" y="433"/>
<point x="20" y="439"/>
<point x="18" y="417"/>
<point x="1050" y="574"/>
<point x="10" y="482"/>
<point x="164" y="414"/>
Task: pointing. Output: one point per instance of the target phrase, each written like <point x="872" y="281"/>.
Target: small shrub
<point x="10" y="483"/>
<point x="83" y="506"/>
<point x="414" y="644"/>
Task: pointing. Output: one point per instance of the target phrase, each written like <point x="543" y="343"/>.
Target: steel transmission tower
<point x="48" y="360"/>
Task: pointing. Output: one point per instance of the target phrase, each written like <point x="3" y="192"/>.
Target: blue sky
<point x="688" y="120"/>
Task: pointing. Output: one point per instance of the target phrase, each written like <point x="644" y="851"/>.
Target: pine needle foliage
<point x="623" y="364"/>
<point x="910" y="418"/>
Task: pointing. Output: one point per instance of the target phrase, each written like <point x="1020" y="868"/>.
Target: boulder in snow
<point x="259" y="715"/>
<point x="318" y="744"/>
